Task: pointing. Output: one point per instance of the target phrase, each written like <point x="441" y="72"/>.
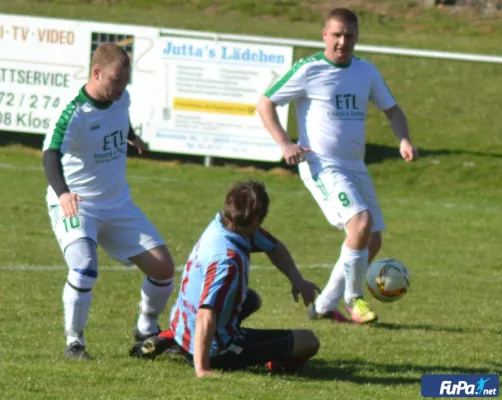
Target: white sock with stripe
<point x="76" y="312"/>
<point x="355" y="263"/>
<point x="333" y="292"/>
<point x="155" y="294"/>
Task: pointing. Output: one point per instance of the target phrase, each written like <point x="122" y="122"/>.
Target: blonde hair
<point x="109" y="53"/>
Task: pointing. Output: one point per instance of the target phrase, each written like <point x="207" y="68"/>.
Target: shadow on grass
<point x="320" y="370"/>
<point x="368" y="372"/>
<point x="432" y="328"/>
<point x="359" y="371"/>
<point x="356" y="372"/>
<point x="375" y="153"/>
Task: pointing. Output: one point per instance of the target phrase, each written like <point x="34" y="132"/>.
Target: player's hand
<point x="139" y="144"/>
<point x="293" y="153"/>
<point x="307" y="290"/>
<point x="69" y="204"/>
<point x="408" y="152"/>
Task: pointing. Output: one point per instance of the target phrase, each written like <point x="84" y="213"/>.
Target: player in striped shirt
<point x="214" y="296"/>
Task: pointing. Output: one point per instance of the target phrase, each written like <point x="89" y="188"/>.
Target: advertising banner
<point x="189" y="96"/>
<point x="207" y="93"/>
<point x="44" y="62"/>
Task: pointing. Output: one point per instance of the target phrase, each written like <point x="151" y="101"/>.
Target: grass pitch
<point x="443" y="216"/>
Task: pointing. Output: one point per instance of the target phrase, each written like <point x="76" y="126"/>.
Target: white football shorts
<point x="342" y="193"/>
<point x="123" y="232"/>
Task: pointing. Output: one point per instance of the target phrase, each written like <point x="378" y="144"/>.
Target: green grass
<point x="449" y="321"/>
<point x="443" y="216"/>
<point x="385" y="22"/>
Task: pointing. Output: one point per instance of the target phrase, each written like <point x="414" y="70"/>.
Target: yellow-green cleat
<point x="361" y="312"/>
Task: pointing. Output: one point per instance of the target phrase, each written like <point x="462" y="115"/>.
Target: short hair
<point x="244" y="202"/>
<point x="343" y="15"/>
<point x="109" y="53"/>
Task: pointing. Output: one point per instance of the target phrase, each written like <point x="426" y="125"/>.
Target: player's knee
<point x="313" y="344"/>
<point x="156" y="263"/>
<point x="162" y="271"/>
<point x="364" y="221"/>
<point x="82" y="259"/>
<point x="251" y="305"/>
<point x="360" y="225"/>
<point x="253" y="299"/>
<point x="306" y="343"/>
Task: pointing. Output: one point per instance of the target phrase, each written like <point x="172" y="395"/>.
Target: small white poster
<point x="206" y="95"/>
<point x="44" y="62"/>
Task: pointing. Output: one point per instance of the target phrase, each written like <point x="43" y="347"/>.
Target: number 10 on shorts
<point x="71" y="223"/>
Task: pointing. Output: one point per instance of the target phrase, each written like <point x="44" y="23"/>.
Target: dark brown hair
<point x="109" y="53"/>
<point x="343" y="15"/>
<point x="244" y="202"/>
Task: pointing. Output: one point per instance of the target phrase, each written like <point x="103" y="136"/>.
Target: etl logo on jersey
<point x="460" y="386"/>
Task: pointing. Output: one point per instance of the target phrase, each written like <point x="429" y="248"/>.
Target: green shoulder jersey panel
<point x="294" y="69"/>
<point x="56" y="139"/>
<point x="69" y="114"/>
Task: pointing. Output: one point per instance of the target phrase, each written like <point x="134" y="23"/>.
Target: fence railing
<point x="445" y="55"/>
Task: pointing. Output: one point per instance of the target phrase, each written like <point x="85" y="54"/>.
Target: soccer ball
<point x="388" y="280"/>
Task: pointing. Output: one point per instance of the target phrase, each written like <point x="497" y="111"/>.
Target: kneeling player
<point x="214" y="296"/>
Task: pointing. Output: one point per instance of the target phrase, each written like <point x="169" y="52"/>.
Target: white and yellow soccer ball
<point x="388" y="279"/>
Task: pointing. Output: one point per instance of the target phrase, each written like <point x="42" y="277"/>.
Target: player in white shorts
<point x="331" y="90"/>
<point x="89" y="200"/>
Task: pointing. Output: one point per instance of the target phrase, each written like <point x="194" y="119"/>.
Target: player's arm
<point x="135" y="141"/>
<point x="398" y="122"/>
<point x="290" y="87"/>
<point x="131" y="135"/>
<point x="205" y="329"/>
<point x="220" y="284"/>
<point x="57" y="142"/>
<point x="54" y="171"/>
<point x="383" y="99"/>
<point x="282" y="259"/>
<point x="266" y="108"/>
<point x="399" y="125"/>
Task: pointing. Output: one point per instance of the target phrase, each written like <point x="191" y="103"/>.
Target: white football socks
<point x="154" y="297"/>
<point x="355" y="263"/>
<point x="76" y="312"/>
<point x="333" y="292"/>
<point x="346" y="280"/>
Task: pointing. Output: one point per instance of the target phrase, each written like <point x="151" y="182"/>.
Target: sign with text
<point x="45" y="61"/>
<point x="207" y="95"/>
<point x="189" y="96"/>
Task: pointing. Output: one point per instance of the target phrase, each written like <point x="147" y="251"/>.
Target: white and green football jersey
<point x="92" y="137"/>
<point x="332" y="106"/>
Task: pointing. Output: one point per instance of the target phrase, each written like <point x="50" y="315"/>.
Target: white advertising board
<point x="206" y="95"/>
<point x="45" y="61"/>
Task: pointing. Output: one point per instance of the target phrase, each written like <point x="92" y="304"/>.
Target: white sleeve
<point x="68" y="129"/>
<point x="380" y="94"/>
<point x="291" y="86"/>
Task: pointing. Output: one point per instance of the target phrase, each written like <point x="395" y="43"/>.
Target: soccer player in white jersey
<point x="89" y="200"/>
<point x="332" y="90"/>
